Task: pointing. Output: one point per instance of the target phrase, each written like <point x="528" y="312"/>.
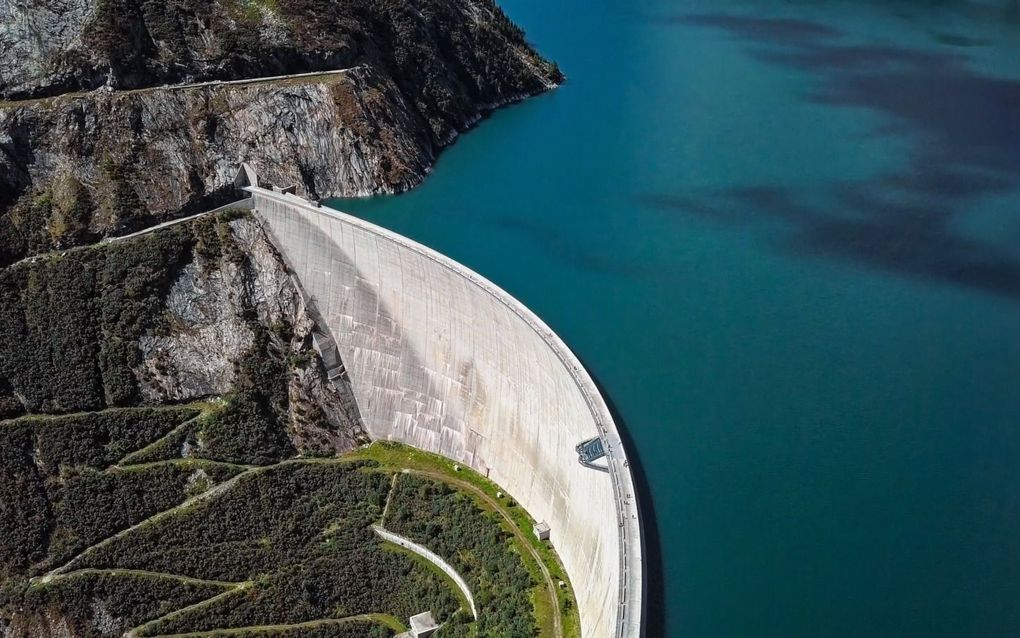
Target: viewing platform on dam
<point x="442" y="359"/>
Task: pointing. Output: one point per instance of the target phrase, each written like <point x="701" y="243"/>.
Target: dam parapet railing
<point x="280" y="210"/>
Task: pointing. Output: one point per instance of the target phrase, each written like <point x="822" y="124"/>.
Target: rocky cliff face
<point x="107" y="163"/>
<point x="34" y="36"/>
<point x="213" y="315"/>
<point x="90" y="164"/>
<point x="450" y="55"/>
<point x="204" y="309"/>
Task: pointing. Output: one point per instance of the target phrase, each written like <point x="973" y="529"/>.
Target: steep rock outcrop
<point x="209" y="311"/>
<point x="35" y="35"/>
<point x="125" y="160"/>
<point x="86" y="165"/>
<point x="212" y="313"/>
<point x="210" y="316"/>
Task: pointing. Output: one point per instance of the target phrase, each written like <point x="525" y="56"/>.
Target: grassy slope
<point x="394" y="456"/>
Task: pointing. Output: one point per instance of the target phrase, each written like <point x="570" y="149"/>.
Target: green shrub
<point x="102" y="605"/>
<point x="167" y="448"/>
<point x="9" y="404"/>
<point x="25" y="518"/>
<point x="69" y="325"/>
<point x="99" y="439"/>
<point x="89" y="506"/>
<point x="245" y="430"/>
<point x="473" y="541"/>
<point x="300" y="534"/>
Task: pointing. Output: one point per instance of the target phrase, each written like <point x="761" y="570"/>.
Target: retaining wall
<point x="442" y="359"/>
<point x="431" y="557"/>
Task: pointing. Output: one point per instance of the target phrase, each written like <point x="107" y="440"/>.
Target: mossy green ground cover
<point x="200" y="546"/>
<point x="486" y="496"/>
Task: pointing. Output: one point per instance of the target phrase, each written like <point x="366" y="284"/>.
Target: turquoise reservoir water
<point x="786" y="238"/>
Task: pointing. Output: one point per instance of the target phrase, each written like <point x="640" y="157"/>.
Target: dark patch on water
<point x="775" y="29"/>
<point x="963" y="131"/>
<point x="902" y="238"/>
<point x="956" y="40"/>
<point x="570" y="251"/>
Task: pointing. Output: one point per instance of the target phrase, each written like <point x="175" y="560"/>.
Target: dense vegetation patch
<point x="54" y="499"/>
<point x="99" y="605"/>
<point x="289" y="544"/>
<point x="284" y="549"/>
<point x="90" y="506"/>
<point x="298" y="535"/>
<point x="69" y="325"/>
<point x="475" y="543"/>
<point x="249" y="427"/>
<point x="98" y="439"/>
<point x="25" y="513"/>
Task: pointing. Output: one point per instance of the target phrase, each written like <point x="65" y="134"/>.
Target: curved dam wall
<point x="442" y="359"/>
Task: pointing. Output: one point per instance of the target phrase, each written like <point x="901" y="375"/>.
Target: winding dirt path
<point x="389" y="497"/>
<point x="384" y="619"/>
<point x="194" y="500"/>
<point x="183" y="610"/>
<point x="117" y="571"/>
<point x="168" y="88"/>
<point x="66" y="570"/>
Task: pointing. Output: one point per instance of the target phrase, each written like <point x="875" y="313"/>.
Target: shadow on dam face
<point x="654" y="612"/>
<point x="407" y="320"/>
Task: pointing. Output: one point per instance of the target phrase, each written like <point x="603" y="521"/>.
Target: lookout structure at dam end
<point x="441" y="359"/>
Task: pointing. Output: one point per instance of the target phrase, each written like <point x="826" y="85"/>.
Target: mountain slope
<point x="111" y="149"/>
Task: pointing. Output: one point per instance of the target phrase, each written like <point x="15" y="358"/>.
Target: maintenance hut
<point x="423" y="625"/>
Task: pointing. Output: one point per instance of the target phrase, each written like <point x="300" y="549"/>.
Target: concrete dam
<point x="441" y="359"/>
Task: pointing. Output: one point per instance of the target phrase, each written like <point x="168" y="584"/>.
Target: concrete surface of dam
<point x="442" y="359"/>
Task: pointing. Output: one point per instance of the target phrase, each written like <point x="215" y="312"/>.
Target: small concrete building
<point x="542" y="531"/>
<point x="423" y="625"/>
